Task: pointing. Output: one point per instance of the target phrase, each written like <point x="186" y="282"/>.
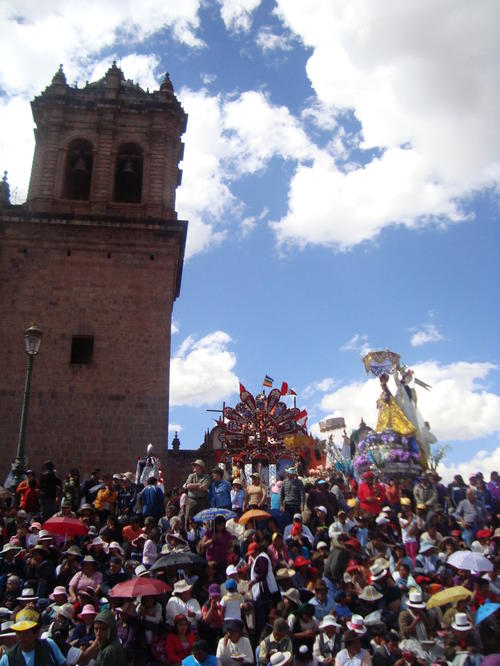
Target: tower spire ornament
<point x="4" y="191"/>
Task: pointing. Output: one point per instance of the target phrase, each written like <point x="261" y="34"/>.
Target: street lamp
<point x="32" y="339"/>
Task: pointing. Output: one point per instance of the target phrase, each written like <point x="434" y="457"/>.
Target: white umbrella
<point x="466" y="559"/>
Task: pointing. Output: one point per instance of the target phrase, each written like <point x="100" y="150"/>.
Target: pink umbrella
<point x="140" y="586"/>
<point x="65" y="526"/>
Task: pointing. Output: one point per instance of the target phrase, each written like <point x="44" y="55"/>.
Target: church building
<point x="94" y="258"/>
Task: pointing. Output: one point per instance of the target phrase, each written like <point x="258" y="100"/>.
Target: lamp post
<point x="32" y="339"/>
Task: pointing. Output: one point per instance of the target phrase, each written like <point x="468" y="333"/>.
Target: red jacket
<point x="175" y="650"/>
<point x="371" y="498"/>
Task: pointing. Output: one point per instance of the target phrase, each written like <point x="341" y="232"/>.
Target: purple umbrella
<point x="470" y="561"/>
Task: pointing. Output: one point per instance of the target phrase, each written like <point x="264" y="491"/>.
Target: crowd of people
<point x="335" y="570"/>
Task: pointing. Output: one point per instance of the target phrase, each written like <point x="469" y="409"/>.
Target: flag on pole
<point x="301" y="418"/>
<point x="286" y="390"/>
<point x="268" y="381"/>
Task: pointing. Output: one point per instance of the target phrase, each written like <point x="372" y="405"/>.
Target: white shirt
<point x="176" y="606"/>
<point x="224" y="652"/>
<point x="362" y="658"/>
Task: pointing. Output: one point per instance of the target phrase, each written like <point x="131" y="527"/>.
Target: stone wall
<point x="110" y="280"/>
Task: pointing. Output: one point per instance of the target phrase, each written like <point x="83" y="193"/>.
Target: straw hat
<point x="8" y="547"/>
<point x="461" y="622"/>
<point x="370" y="593"/>
<point x="6" y="630"/>
<point x="280" y="658"/>
<point x="199" y="462"/>
<point x="28" y="594"/>
<point x="59" y="589"/>
<point x="415" y="599"/>
<point x="377" y="572"/>
<point x="182" y="586"/>
<point x="329" y="621"/>
<point x="26" y="619"/>
<point x="357" y="625"/>
<point x="66" y="610"/>
<point x="293" y="594"/>
<point x="284" y="573"/>
<point x="88" y="609"/>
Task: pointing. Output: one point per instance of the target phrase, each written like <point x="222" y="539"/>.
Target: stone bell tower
<point x="95" y="258"/>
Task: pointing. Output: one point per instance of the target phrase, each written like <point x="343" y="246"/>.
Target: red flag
<point x="301" y="418"/>
<point x="286" y="390"/>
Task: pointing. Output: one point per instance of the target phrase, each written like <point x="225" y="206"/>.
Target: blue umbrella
<point x="485" y="611"/>
<point x="211" y="514"/>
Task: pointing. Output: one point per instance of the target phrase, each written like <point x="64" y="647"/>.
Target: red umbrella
<point x="140" y="586"/>
<point x="65" y="526"/>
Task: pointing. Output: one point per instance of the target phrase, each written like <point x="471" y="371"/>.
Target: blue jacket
<point x="220" y="494"/>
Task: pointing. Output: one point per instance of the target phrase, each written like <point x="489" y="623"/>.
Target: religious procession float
<point x="399" y="447"/>
<point x="262" y="433"/>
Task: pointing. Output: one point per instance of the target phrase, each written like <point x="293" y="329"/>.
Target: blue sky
<point x="340" y="179"/>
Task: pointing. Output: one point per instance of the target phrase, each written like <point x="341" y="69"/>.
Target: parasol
<point x="140" y="586"/>
<point x="448" y="596"/>
<point x="65" y="526"/>
<point x="466" y="559"/>
<point x="485" y="611"/>
<point x="177" y="560"/>
<point x="381" y="362"/>
<point x="211" y="514"/>
<point x="253" y="514"/>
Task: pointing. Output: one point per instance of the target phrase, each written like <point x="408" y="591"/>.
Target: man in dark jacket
<point x="109" y="649"/>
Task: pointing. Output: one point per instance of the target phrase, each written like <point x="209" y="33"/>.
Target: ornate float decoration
<point x="399" y="447"/>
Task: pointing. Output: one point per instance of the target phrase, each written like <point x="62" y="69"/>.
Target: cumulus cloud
<point x="428" y="333"/>
<point x="227" y="137"/>
<point x="319" y="386"/>
<point x="483" y="461"/>
<point x="201" y="371"/>
<point x="174" y="427"/>
<point x="358" y="343"/>
<point x="459" y="407"/>
<point x="268" y="40"/>
<point x="46" y="34"/>
<point x="237" y="14"/>
<point x="174" y="327"/>
<point x="423" y="82"/>
<point x="38" y="37"/>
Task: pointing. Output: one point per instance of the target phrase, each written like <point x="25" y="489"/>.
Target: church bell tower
<point x="95" y="258"/>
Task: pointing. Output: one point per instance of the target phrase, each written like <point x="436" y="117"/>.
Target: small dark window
<point x="78" y="170"/>
<point x="128" y="174"/>
<point x="82" y="349"/>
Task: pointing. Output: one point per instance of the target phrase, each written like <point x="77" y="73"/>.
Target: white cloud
<point x="174" y="328"/>
<point x="227" y="137"/>
<point x="38" y="37"/>
<point x="429" y="333"/>
<point x="247" y="225"/>
<point x="270" y="41"/>
<point x="201" y="371"/>
<point x="459" y="407"/>
<point x="237" y="14"/>
<point x="483" y="461"/>
<point x="41" y="36"/>
<point x="358" y="343"/>
<point x="174" y="427"/>
<point x="422" y="75"/>
<point x="319" y="386"/>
